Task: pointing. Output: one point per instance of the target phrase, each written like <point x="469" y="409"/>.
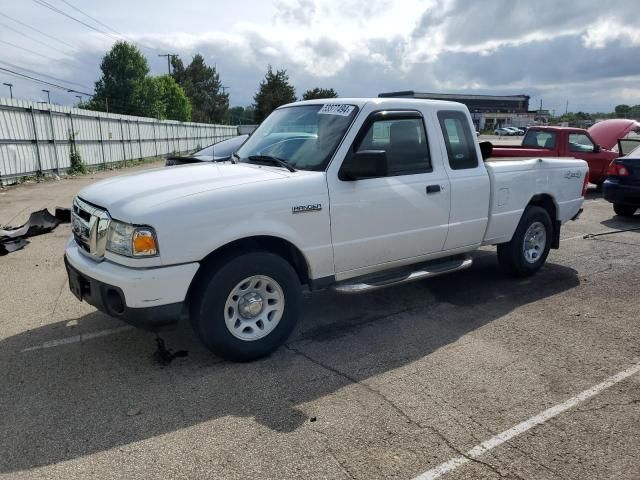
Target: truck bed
<point x="512" y="187"/>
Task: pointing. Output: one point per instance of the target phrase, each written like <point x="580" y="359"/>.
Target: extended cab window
<point x="579" y="142"/>
<point x="405" y="142"/>
<point x="539" y="139"/>
<point x="460" y="143"/>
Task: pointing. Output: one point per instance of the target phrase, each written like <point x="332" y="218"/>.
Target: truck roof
<point x="391" y="102"/>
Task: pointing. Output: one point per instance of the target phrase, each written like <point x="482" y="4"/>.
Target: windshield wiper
<point x="275" y="160"/>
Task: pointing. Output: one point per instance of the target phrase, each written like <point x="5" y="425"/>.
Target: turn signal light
<point x="144" y="243"/>
<point x="586" y="183"/>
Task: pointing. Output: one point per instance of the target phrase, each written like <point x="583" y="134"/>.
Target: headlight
<point x="131" y="241"/>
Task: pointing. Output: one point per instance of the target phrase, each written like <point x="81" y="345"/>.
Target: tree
<point x="124" y="70"/>
<point x="319" y="93"/>
<point x="274" y="91"/>
<point x="202" y="85"/>
<point x="174" y="98"/>
<point x="623" y="110"/>
<point x="163" y="98"/>
<point x="178" y="69"/>
<point x="241" y="115"/>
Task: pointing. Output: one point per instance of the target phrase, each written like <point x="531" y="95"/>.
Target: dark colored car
<point x="622" y="186"/>
<point x="218" y="152"/>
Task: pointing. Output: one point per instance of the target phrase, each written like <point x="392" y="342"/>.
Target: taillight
<point x="586" y="182"/>
<point x="617" y="170"/>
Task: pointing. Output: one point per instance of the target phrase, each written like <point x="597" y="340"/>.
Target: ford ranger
<point x="595" y="145"/>
<point x="348" y="194"/>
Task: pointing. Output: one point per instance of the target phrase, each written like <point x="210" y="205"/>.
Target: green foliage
<point x="319" y="93"/>
<point x="274" y="91"/>
<point x="623" y="110"/>
<point x="126" y="87"/>
<point x="202" y="86"/>
<point x="77" y="165"/>
<point x="124" y="70"/>
<point x="241" y="115"/>
<point x="163" y="98"/>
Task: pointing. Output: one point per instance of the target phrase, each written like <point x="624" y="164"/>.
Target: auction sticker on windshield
<point x="336" y="109"/>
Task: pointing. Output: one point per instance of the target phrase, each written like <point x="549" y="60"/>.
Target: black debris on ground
<point x="164" y="356"/>
<point x="40" y="222"/>
<point x="12" y="244"/>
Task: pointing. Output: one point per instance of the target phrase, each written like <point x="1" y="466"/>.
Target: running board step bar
<point x="405" y="275"/>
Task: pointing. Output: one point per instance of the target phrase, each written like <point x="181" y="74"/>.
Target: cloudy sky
<point x="585" y="52"/>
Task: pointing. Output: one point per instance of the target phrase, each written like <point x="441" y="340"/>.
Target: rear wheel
<point x="528" y="249"/>
<point x="246" y="308"/>
<point x="624" y="210"/>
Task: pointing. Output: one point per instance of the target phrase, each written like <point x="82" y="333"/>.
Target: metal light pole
<point x="10" y="85"/>
<point x="48" y="95"/>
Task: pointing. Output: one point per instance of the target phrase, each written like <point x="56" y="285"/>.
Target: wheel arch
<point x="546" y="201"/>
<point x="257" y="243"/>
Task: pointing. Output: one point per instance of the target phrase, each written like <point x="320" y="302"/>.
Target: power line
<point x="34" y="39"/>
<point x="18" y="74"/>
<point x="92" y="18"/>
<point x="36" y="30"/>
<point x="92" y="27"/>
<point x="11" y="65"/>
<point x="45" y="4"/>
<point x="33" y="52"/>
<point x="107" y="26"/>
<point x="25" y="49"/>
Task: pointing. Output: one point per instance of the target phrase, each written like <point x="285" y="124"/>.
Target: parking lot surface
<point x="391" y="384"/>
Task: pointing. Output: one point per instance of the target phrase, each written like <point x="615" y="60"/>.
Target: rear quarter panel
<point x="515" y="183"/>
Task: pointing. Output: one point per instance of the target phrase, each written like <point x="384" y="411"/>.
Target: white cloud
<point x="362" y="47"/>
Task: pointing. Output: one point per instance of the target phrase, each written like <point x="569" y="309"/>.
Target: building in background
<point x="488" y="111"/>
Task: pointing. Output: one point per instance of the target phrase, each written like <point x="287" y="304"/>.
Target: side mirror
<point x="365" y="164"/>
<point x="597" y="148"/>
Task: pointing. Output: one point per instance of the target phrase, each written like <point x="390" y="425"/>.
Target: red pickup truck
<point x="596" y="145"/>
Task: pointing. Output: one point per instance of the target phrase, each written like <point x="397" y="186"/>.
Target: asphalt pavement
<point x="476" y="372"/>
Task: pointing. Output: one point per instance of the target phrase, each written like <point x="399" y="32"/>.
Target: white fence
<point x="35" y="137"/>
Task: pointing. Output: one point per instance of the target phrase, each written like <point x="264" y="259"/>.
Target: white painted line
<point x="77" y="338"/>
<point x="539" y="419"/>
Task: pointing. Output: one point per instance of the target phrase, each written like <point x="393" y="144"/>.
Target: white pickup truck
<point x="351" y="194"/>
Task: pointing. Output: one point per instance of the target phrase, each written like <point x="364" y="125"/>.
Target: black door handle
<point x="433" y="188"/>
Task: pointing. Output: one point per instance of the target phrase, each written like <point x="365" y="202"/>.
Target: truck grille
<point x="89" y="225"/>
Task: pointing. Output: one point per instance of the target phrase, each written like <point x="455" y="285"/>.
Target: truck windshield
<point x="304" y="136"/>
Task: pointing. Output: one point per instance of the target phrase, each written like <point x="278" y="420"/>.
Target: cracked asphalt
<point x="381" y="385"/>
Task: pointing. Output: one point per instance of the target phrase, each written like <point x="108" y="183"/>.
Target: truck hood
<point x="607" y="132"/>
<point x="128" y="195"/>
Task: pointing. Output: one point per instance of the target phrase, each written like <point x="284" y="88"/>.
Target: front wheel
<point x="246" y="308"/>
<point x="527" y="251"/>
<point x="624" y="210"/>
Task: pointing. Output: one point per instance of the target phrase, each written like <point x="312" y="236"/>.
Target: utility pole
<point x="566" y="107"/>
<point x="106" y="103"/>
<point x="48" y="95"/>
<point x="224" y="89"/>
<point x="169" y="57"/>
<point x="10" y="85"/>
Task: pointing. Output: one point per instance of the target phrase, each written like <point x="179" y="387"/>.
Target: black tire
<point x="214" y="288"/>
<point x="624" y="210"/>
<point x="511" y="255"/>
